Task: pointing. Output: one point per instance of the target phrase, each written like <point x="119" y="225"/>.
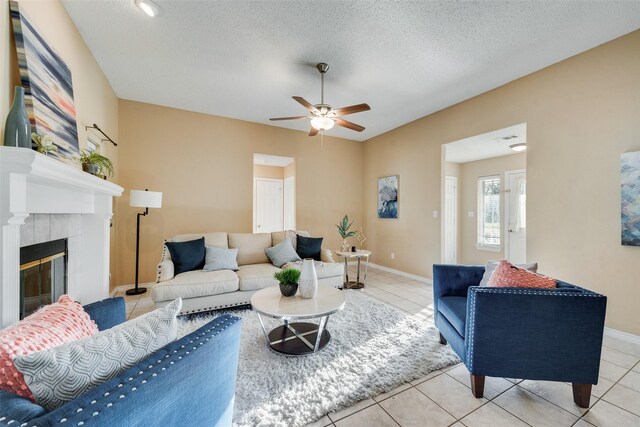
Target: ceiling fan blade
<point x="351" y="109"/>
<point x="306" y="104"/>
<point x="349" y="125"/>
<point x="313" y="132"/>
<point x="289" y="118"/>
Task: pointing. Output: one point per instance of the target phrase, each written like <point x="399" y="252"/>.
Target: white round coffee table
<point x="297" y="338"/>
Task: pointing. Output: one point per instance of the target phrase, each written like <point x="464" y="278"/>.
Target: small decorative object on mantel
<point x="44" y="144"/>
<point x="17" y="129"/>
<point x="388" y="197"/>
<point x="343" y="230"/>
<point x="96" y="164"/>
<point x="288" y="279"/>
<point x="630" y="195"/>
<point x="308" y="279"/>
<point x="361" y="238"/>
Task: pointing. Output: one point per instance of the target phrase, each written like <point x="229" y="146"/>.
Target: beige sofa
<point x="209" y="290"/>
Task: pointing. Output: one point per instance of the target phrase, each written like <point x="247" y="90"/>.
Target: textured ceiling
<point x="487" y="145"/>
<point x="245" y="59"/>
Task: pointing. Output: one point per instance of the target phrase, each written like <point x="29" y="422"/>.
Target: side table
<point x="359" y="254"/>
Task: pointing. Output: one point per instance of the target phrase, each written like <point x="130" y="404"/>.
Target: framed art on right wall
<point x="630" y="198"/>
<point x="388" y="197"/>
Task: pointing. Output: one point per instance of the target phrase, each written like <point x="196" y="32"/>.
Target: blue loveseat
<point x="536" y="334"/>
<point x="188" y="382"/>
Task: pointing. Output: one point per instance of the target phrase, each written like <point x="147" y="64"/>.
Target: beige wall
<point x="468" y="191"/>
<point x="264" y="171"/>
<point x="204" y="166"/>
<point x="581" y="114"/>
<point x="94" y="99"/>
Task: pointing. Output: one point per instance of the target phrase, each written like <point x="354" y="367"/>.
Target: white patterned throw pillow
<point x="60" y="374"/>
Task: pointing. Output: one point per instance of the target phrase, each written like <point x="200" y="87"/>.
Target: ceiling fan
<point x="323" y="116"/>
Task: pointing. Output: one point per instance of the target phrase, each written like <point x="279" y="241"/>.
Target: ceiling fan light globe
<point x="322" y="123"/>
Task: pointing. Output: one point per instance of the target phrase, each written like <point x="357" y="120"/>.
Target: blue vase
<point x="17" y="129"/>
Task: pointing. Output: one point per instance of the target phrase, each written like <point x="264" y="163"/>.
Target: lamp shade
<point x="145" y="199"/>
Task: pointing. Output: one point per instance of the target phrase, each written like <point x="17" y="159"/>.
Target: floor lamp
<point x="142" y="199"/>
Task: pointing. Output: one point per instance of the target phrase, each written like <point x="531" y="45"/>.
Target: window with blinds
<point x="489" y="211"/>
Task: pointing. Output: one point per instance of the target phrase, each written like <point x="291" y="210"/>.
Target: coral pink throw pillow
<point x="507" y="275"/>
<point x="52" y="325"/>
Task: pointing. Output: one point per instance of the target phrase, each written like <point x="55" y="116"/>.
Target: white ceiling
<point x="245" y="59"/>
<point x="271" y="160"/>
<point x="486" y="145"/>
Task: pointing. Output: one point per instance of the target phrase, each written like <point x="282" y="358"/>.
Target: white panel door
<point x="290" y="203"/>
<point x="450" y="220"/>
<point x="269" y="206"/>
<point x="516" y="215"/>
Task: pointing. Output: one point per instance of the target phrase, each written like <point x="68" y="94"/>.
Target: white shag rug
<point x="374" y="348"/>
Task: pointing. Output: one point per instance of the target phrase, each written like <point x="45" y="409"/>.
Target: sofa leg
<point x="443" y="340"/>
<point x="582" y="394"/>
<point x="477" y="385"/>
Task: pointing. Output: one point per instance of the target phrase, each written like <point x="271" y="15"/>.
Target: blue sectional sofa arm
<point x="514" y="332"/>
<point x="107" y="313"/>
<point x="188" y="382"/>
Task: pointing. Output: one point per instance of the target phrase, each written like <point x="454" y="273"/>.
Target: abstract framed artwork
<point x="48" y="87"/>
<point x="388" y="197"/>
<point x="630" y="198"/>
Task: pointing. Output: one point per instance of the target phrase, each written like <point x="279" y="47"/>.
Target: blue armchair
<point x="190" y="381"/>
<point x="536" y="334"/>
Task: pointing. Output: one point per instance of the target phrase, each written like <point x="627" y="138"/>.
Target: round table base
<point x="299" y="343"/>
<point x="353" y="285"/>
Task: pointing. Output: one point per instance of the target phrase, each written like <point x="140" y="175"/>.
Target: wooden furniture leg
<point x="582" y="394"/>
<point x="443" y="340"/>
<point x="477" y="385"/>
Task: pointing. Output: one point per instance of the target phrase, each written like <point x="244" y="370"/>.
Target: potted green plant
<point x="288" y="279"/>
<point x="343" y="230"/>
<point x="44" y="143"/>
<point x="96" y="164"/>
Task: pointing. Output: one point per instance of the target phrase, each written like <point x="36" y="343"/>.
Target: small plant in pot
<point x="288" y="279"/>
<point x="343" y="230"/>
<point x="96" y="164"/>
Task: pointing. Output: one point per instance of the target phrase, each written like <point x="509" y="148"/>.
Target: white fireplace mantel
<point x="31" y="183"/>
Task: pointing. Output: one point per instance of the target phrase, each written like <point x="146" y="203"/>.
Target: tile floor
<point x="443" y="398"/>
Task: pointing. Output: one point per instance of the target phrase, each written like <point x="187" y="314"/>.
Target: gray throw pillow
<point x="282" y="253"/>
<point x="491" y="266"/>
<point x="60" y="374"/>
<point x="221" y="259"/>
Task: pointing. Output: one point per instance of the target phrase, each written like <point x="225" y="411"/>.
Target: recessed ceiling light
<point x="518" y="147"/>
<point x="149" y="7"/>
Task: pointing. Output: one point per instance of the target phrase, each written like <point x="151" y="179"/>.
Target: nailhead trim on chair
<point x="217" y="307"/>
<point x="225" y="320"/>
<point x="582" y="293"/>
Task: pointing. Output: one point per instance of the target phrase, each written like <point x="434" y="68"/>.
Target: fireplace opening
<point x="43" y="275"/>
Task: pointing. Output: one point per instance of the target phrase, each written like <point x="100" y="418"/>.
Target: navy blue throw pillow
<point x="187" y="256"/>
<point x="309" y="247"/>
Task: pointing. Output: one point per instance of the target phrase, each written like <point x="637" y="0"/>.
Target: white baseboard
<point x="402" y="273"/>
<point x="622" y="336"/>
